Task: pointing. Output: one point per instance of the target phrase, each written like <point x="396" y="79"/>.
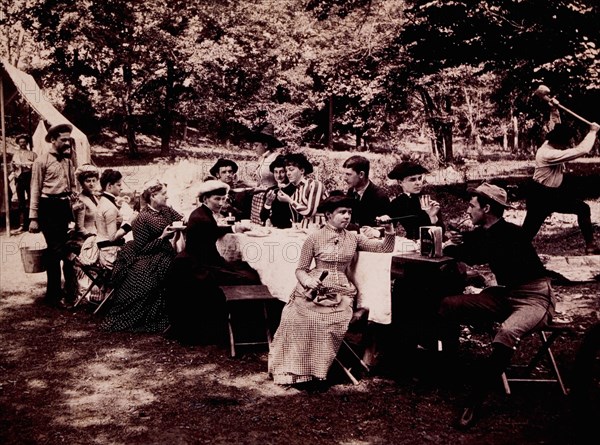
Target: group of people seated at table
<point x="158" y="288"/>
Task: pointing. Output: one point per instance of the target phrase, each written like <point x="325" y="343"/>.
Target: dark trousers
<point x="23" y="183"/>
<point x="54" y="216"/>
<point x="542" y="201"/>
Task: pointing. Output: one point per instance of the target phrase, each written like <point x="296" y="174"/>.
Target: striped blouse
<point x="308" y="196"/>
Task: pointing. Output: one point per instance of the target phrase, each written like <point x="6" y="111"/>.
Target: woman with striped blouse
<point x="305" y="201"/>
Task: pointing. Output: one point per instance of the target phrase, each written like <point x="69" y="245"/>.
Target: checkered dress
<point x="309" y="335"/>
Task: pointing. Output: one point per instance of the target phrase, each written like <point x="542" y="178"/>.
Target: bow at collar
<point x="60" y="156"/>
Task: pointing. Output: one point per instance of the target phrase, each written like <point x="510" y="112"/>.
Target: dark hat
<point x="336" y="201"/>
<point x="492" y="192"/>
<point x="267" y="135"/>
<point x="405" y="169"/>
<point x="299" y="160"/>
<point x="22" y="136"/>
<point x="278" y="162"/>
<point x="221" y="162"/>
<point x="55" y="130"/>
<point x="561" y="134"/>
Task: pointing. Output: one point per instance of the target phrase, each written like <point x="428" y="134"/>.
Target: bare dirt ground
<point x="64" y="381"/>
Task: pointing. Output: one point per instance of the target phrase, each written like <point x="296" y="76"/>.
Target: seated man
<point x="414" y="209"/>
<point x="526" y="303"/>
<point x="195" y="303"/>
<point x="372" y="200"/>
<point x="239" y="198"/>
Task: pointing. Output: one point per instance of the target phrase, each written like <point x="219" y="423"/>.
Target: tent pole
<point x="4" y="159"/>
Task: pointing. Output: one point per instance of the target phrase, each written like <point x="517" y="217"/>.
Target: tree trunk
<point x="330" y="124"/>
<point x="167" y="115"/>
<point x="428" y="107"/>
<point x="474" y="136"/>
<point x="515" y="124"/>
<point x="447" y="129"/>
<point x="441" y="124"/>
<point x="129" y="125"/>
<point x="359" y="138"/>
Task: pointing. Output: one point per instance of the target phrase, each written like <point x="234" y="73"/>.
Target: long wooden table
<point x="275" y="257"/>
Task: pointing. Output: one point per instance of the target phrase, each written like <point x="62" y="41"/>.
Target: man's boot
<point x="495" y="365"/>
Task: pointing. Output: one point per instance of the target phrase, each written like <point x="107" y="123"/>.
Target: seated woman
<point x="316" y="318"/>
<point x="84" y="211"/>
<point x="274" y="210"/>
<point x="414" y="211"/>
<point x="309" y="192"/>
<point x="111" y="225"/>
<point x="196" y="304"/>
<point x="141" y="266"/>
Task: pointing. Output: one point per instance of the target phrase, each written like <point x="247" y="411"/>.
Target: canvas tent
<point x="15" y="82"/>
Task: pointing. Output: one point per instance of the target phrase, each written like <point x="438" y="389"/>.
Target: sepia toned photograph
<point x="351" y="222"/>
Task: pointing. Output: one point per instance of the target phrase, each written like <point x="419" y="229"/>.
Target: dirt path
<point x="63" y="381"/>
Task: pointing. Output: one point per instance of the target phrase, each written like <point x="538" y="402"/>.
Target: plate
<point x="256" y="234"/>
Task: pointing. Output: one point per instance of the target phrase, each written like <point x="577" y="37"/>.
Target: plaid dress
<point x="310" y="334"/>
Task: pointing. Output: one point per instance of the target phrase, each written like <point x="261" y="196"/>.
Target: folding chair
<point x="256" y="293"/>
<point x="531" y="371"/>
<point x="357" y="325"/>
<point x="99" y="278"/>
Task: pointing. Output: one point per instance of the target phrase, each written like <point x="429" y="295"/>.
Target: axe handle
<point x="572" y="113"/>
<point x="553" y="101"/>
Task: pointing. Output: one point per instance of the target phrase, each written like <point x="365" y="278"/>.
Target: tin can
<point x="431" y="241"/>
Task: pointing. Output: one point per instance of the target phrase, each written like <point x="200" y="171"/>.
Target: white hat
<point x="211" y="185"/>
<point x="151" y="184"/>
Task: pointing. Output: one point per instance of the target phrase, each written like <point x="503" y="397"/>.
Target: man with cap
<point x="547" y="193"/>
<point x="409" y="206"/>
<point x="52" y="187"/>
<point x="372" y="200"/>
<point x="238" y="199"/>
<point x="523" y="302"/>
<point x="22" y="162"/>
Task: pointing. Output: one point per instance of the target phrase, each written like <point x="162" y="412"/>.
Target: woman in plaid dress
<point x="316" y="318"/>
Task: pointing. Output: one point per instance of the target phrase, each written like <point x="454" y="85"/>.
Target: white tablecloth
<point x="275" y="257"/>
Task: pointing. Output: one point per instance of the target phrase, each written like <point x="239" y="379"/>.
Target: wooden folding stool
<point x="257" y="293"/>
<point x="526" y="372"/>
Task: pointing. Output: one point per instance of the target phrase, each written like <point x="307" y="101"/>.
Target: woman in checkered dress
<point x="312" y="328"/>
<point x="141" y="267"/>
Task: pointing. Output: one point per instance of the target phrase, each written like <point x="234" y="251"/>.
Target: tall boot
<point x="493" y="368"/>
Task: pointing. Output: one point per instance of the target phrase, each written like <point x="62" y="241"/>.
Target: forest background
<point x="454" y="76"/>
<point x="158" y="82"/>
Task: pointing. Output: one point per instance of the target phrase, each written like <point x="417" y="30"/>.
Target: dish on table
<point x="257" y="233"/>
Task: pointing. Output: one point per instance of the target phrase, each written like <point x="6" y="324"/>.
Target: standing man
<point x="239" y="199"/>
<point x="52" y="186"/>
<point x="524" y="303"/>
<point x="22" y="162"/>
<point x="372" y="200"/>
<point x="547" y="193"/>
